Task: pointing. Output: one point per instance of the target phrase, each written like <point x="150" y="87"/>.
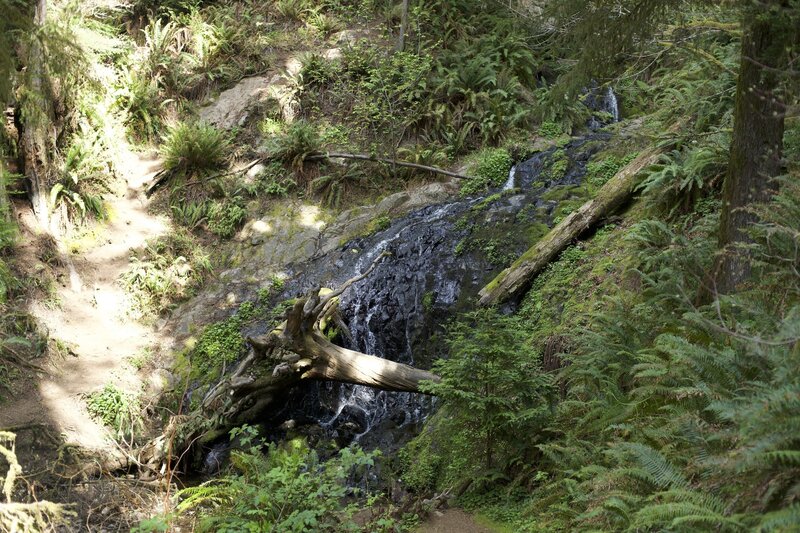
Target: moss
<point x="428" y="299"/>
<point x="563" y="294"/>
<point x="220" y="344"/>
<point x="559" y="193"/>
<point x="489" y="168"/>
<point x="557" y="166"/>
<point x="378" y="224"/>
<point x="486" y="202"/>
<point x="600" y="170"/>
<point x="535" y="232"/>
<point x="463" y="223"/>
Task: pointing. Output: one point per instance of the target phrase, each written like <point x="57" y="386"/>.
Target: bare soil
<point x="452" y="521"/>
<point x="88" y="316"/>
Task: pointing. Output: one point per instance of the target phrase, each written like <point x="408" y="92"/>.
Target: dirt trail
<point x="452" y="521"/>
<point x="91" y="319"/>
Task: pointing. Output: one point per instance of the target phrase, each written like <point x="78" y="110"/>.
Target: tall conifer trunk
<point x="33" y="136"/>
<point x="757" y="138"/>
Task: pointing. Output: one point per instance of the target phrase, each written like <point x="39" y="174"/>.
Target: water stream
<point x="440" y="257"/>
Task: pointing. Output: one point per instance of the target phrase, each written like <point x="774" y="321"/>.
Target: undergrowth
<point x="164" y="273"/>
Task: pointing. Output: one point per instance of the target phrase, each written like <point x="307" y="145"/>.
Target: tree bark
<point x="514" y="280"/>
<point x="365" y="157"/>
<point x="33" y="139"/>
<point x="757" y="139"/>
<point x="298" y="350"/>
<point x="401" y="40"/>
<point x="5" y="210"/>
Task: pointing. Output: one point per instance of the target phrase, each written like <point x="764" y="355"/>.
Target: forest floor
<point x="86" y="314"/>
<point x="452" y="521"/>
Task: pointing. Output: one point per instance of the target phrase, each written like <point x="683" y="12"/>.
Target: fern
<point x="786" y="519"/>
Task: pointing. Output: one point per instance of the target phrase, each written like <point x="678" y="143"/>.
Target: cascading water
<point x="606" y="103"/>
<point x="438" y="261"/>
<point x="611" y="105"/>
<point x="511" y="176"/>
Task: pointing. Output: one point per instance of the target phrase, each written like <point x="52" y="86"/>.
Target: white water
<point x="613" y="105"/>
<point x="511" y="175"/>
<point x="369" y="404"/>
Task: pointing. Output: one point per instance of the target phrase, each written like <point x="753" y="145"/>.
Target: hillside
<point x="415" y="266"/>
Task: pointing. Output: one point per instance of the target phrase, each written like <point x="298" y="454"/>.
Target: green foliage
<point x="678" y="417"/>
<point x="195" y="149"/>
<point x="220" y="344"/>
<point x="599" y="172"/>
<point x="288" y="488"/>
<point x="489" y="169"/>
<point x="138" y="97"/>
<point x="456" y="88"/>
<point x="558" y="164"/>
<point x="420" y="466"/>
<point x="291" y="148"/>
<point x="274" y="181"/>
<point x="14" y="24"/>
<point x="550" y="130"/>
<point x="84" y="174"/>
<point x="683" y="176"/>
<point x="333" y="187"/>
<point x="224" y="218"/>
<point x="378" y="224"/>
<point x="116" y="409"/>
<point x="493" y="389"/>
<point x="164" y="273"/>
<point x="7" y="281"/>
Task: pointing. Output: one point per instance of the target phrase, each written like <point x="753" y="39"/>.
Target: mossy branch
<point x="367" y="157"/>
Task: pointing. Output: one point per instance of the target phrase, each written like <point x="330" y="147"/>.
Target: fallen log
<point x="514" y="280"/>
<point x="298" y="350"/>
<point x="162" y="176"/>
<point x="367" y="157"/>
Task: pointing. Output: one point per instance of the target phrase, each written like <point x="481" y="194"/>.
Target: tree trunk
<point x="297" y="350"/>
<point x="5" y="210"/>
<point x="401" y="40"/>
<point x="758" y="126"/>
<point x="33" y="139"/>
<point x="514" y="280"/>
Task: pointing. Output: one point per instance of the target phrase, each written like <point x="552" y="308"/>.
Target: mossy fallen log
<point x="513" y="281"/>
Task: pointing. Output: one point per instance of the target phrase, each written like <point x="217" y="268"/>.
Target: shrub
<point x="164" y="273"/>
<point x="490" y="169"/>
<point x="224" y="218"/>
<point x="492" y="387"/>
<point x="287" y="489"/>
<point x="550" y="130"/>
<point x="274" y="181"/>
<point x="116" y="409"/>
<point x="195" y="148"/>
<point x="300" y="140"/>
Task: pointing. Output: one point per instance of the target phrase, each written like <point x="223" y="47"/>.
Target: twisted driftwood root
<point x="300" y="351"/>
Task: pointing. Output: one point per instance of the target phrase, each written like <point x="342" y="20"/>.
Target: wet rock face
<point x="271" y="243"/>
<point x="430" y="274"/>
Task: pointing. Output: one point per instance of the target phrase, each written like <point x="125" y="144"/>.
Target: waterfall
<point x="437" y="261"/>
<point x="611" y="104"/>
<point x="510" y="182"/>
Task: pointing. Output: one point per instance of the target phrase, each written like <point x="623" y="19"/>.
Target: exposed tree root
<point x="297" y="350"/>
